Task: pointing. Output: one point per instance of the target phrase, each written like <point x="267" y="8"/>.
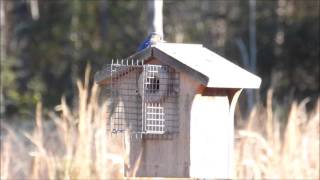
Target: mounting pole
<point x="155" y="10"/>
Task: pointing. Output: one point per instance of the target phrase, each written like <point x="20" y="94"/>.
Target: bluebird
<point x="152" y="39"/>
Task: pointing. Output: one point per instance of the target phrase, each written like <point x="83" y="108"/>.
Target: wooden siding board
<point x="142" y="55"/>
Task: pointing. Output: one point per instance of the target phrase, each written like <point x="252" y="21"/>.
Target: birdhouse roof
<point x="205" y="66"/>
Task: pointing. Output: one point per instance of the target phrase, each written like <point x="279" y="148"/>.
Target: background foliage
<point x="46" y="53"/>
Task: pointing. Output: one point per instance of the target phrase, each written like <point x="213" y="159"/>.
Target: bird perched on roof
<point x="152" y="39"/>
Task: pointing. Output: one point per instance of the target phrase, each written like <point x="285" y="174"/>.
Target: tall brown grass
<point x="269" y="147"/>
<point x="74" y="144"/>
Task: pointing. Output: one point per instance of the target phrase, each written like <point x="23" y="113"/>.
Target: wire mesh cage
<point x="143" y="98"/>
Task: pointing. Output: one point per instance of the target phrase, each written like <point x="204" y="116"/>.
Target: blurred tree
<point x="48" y="43"/>
<point x="2" y="51"/>
<point x="53" y="41"/>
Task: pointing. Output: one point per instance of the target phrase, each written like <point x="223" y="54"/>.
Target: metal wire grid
<point x="126" y="104"/>
<point x="154" y="119"/>
<point x="150" y="109"/>
<point x="159" y="100"/>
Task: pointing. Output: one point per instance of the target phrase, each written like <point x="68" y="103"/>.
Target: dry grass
<point x="268" y="149"/>
<point x="74" y="144"/>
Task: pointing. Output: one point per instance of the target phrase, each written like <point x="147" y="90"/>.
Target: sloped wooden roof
<point x="205" y="66"/>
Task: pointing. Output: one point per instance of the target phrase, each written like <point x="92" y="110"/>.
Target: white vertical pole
<point x="155" y="10"/>
<point x="34" y="6"/>
<point x="158" y="17"/>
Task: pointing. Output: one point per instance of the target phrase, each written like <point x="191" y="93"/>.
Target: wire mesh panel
<point x="154" y="119"/>
<point x="144" y="98"/>
<point x="159" y="99"/>
<point x="126" y="103"/>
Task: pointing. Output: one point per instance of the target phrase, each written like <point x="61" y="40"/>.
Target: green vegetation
<point x="46" y="53"/>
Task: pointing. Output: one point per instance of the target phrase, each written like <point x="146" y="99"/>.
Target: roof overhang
<point x="203" y="65"/>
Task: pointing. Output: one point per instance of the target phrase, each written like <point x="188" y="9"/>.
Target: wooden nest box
<point x="176" y="103"/>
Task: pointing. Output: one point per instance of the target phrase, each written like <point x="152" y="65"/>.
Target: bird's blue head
<point x="152" y="39"/>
